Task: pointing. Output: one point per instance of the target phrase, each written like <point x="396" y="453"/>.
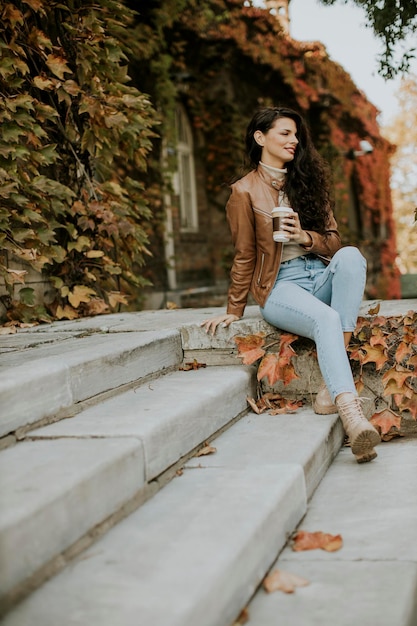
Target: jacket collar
<point x="271" y="175"/>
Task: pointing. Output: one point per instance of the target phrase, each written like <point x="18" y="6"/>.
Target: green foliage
<point x="392" y="21"/>
<point x="74" y="142"/>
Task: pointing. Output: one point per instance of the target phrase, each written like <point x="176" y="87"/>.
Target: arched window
<point x="186" y="173"/>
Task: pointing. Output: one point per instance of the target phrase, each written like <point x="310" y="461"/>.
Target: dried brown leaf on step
<point x="194" y="365"/>
<point x="243" y="618"/>
<point x="8" y="330"/>
<point x="387" y="423"/>
<point x="304" y="540"/>
<point x="288" y="406"/>
<point x="206" y="450"/>
<point x="279" y="580"/>
<point x="374" y="310"/>
<point x="171" y="305"/>
<point x="254" y="406"/>
<point x="274" y="404"/>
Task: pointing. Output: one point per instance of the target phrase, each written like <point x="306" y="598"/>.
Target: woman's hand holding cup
<point x="286" y="226"/>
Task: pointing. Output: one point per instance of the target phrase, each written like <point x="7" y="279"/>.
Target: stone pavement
<point x="110" y="516"/>
<point x="372" y="579"/>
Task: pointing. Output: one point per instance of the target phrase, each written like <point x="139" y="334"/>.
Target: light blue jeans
<point x="319" y="302"/>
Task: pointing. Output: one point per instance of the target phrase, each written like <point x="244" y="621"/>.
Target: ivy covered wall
<point x="224" y="58"/>
<point x="88" y="144"/>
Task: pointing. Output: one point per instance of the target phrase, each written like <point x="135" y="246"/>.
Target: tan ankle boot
<point x="323" y="404"/>
<point x="362" y="435"/>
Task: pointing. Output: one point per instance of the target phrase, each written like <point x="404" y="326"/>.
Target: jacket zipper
<point x="261" y="269"/>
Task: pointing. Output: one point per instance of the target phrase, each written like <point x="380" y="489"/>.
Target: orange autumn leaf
<point x="270" y="367"/>
<point x="402" y="352"/>
<point x="394" y="379"/>
<point x="375" y="354"/>
<point x="378" y="321"/>
<point x="410" y="404"/>
<point x="412" y="361"/>
<point x="387" y="424"/>
<point x="304" y="540"/>
<point x="288" y="374"/>
<point x="194" y="365"/>
<point x="276" y="368"/>
<point x="378" y="338"/>
<point x="279" y="580"/>
<point x="250" y="347"/>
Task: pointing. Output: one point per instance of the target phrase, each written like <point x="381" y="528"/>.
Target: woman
<point x="310" y="286"/>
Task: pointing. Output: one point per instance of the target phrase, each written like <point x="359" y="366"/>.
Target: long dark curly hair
<point x="307" y="184"/>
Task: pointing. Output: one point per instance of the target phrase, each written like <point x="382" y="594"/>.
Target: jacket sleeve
<point x="242" y="227"/>
<point x="327" y="244"/>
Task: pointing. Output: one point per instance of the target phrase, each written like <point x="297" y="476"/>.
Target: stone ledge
<point x="221" y="349"/>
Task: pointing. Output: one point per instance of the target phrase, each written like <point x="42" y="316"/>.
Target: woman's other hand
<point x="224" y="320"/>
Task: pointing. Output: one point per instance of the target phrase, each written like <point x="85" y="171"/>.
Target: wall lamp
<point x="364" y="148"/>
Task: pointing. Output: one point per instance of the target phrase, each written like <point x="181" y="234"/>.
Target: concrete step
<point x="103" y="375"/>
<point x="372" y="579"/>
<point x="48" y="369"/>
<point x="50" y="377"/>
<point x="196" y="552"/>
<point x="66" y="478"/>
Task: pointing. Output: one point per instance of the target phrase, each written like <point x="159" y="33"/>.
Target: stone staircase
<point x="136" y="492"/>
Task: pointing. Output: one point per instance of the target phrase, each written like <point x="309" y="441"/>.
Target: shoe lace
<point x="352" y="409"/>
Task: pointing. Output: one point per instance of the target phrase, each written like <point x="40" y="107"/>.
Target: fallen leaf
<point x="171" y="305"/>
<point x="279" y="580"/>
<point x="374" y="310"/>
<point x="252" y="403"/>
<point x="8" y="330"/>
<point x="304" y="540"/>
<point x="274" y="403"/>
<point x="243" y="618"/>
<point x="206" y="450"/>
<point x="194" y="365"/>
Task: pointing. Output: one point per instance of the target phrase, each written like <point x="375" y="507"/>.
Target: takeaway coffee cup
<point x="278" y="213"/>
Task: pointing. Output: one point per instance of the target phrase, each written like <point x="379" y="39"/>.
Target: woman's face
<point x="278" y="143"/>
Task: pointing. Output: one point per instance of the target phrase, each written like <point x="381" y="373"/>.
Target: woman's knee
<point x="350" y="255"/>
<point x="349" y="260"/>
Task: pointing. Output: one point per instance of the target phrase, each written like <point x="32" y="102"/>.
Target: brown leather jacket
<point x="257" y="256"/>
